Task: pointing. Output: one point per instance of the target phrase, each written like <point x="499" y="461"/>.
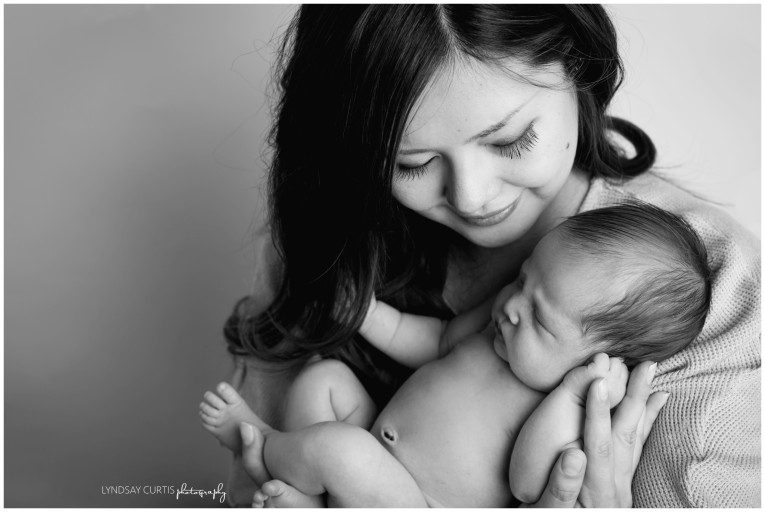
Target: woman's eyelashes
<point x="413" y="172"/>
<point x="514" y="149"/>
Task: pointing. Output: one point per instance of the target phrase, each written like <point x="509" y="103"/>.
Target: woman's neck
<point x="478" y="272"/>
<point x="566" y="203"/>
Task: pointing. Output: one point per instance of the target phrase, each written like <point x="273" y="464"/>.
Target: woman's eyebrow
<point x="488" y="131"/>
<point x="497" y="126"/>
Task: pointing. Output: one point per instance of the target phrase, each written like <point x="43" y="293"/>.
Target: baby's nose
<point x="513" y="307"/>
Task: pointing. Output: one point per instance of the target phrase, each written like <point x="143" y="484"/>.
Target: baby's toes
<point x="259" y="499"/>
<point x="209" y="414"/>
<point x="214" y="400"/>
<point x="209" y="422"/>
<point x="229" y="394"/>
<point x="209" y="410"/>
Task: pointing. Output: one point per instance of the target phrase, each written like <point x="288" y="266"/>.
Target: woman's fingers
<point x="565" y="481"/>
<point x="598" y="489"/>
<point x="655" y="402"/>
<point x="627" y="425"/>
<point x="652" y="409"/>
<point x="629" y="411"/>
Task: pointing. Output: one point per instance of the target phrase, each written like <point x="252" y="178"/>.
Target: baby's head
<point x="629" y="280"/>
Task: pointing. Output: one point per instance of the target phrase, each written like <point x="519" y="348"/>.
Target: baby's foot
<point x="578" y="380"/>
<point x="221" y="415"/>
<point x="252" y="453"/>
<point x="281" y="495"/>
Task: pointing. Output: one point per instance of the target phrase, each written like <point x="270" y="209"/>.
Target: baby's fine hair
<point x="664" y="261"/>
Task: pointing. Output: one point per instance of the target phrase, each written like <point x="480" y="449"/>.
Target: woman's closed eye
<point x="522" y="144"/>
<point x="512" y="149"/>
<point x="412" y="172"/>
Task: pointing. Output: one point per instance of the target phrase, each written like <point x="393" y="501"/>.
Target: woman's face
<point x="486" y="153"/>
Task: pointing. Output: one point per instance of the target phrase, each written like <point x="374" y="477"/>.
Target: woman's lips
<point x="492" y="218"/>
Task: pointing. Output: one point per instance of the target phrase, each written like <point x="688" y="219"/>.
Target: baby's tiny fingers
<point x="628" y="413"/>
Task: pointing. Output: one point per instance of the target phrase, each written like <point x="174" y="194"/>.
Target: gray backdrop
<point x="133" y="159"/>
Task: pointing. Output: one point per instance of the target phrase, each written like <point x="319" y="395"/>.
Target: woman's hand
<point x="613" y="445"/>
<point x="603" y="478"/>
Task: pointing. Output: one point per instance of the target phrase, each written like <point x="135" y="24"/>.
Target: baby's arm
<point x="412" y="340"/>
<point x="415" y="340"/>
<point x="557" y="423"/>
<point x="462" y="326"/>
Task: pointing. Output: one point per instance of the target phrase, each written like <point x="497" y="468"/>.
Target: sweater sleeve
<point x="704" y="449"/>
<point x="728" y="473"/>
<point x="701" y="452"/>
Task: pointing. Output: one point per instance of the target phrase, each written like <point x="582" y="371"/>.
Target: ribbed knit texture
<point x="704" y="449"/>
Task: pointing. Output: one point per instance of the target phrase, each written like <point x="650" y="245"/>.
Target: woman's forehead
<point x="467" y="96"/>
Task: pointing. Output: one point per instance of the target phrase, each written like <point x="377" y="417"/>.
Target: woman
<point x="420" y="152"/>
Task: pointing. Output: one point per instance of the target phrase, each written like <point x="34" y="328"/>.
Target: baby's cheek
<point x="544" y="378"/>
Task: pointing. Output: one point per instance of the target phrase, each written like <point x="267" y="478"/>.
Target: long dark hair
<point x="349" y="76"/>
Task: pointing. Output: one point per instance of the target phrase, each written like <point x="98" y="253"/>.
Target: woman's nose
<point x="472" y="184"/>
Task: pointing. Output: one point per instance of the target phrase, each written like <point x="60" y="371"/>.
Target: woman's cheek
<point x="551" y="168"/>
<point x="417" y="194"/>
<point x="540" y="173"/>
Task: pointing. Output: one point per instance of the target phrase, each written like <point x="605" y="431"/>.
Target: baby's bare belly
<point x="453" y="424"/>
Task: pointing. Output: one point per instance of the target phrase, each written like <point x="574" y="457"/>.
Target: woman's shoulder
<point x="726" y="239"/>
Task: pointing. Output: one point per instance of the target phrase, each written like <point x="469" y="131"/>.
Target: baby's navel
<point x="389" y="435"/>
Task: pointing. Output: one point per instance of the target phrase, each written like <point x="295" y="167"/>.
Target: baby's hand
<point x="578" y="380"/>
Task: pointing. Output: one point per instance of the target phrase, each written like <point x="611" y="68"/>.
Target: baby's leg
<point x="222" y="413"/>
<point x="272" y="493"/>
<point x="344" y="461"/>
<point x="557" y="423"/>
<point x="324" y="390"/>
<point x="277" y="494"/>
<point x="327" y="390"/>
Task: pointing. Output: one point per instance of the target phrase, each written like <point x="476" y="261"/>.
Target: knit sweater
<point x="704" y="448"/>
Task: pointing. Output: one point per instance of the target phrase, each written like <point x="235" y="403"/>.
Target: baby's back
<point x="453" y="425"/>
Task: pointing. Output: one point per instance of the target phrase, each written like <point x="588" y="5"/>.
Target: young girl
<point x="420" y="153"/>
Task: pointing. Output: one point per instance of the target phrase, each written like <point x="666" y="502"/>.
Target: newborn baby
<point x="630" y="280"/>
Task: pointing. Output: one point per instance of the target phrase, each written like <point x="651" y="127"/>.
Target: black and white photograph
<point x="382" y="255"/>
